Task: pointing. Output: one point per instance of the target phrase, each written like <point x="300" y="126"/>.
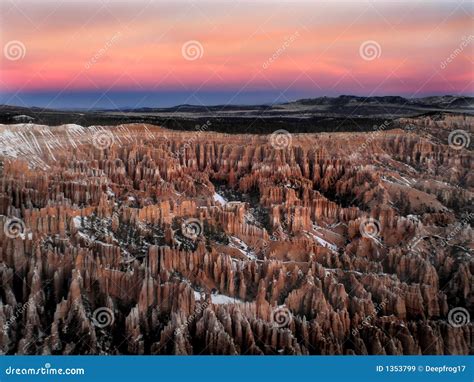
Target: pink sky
<point x="138" y="46"/>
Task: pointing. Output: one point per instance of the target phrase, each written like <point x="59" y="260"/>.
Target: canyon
<point x="138" y="239"/>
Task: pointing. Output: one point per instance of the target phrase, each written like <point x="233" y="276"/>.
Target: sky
<point x="116" y="54"/>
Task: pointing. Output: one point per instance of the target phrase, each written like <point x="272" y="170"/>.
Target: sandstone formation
<point x="142" y="240"/>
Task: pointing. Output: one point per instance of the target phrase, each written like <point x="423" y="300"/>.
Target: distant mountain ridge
<point x="342" y="113"/>
<point x="438" y="101"/>
<point x="442" y="102"/>
<point x="445" y="101"/>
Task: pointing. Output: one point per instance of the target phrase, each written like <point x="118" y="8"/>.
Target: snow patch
<point x="77" y="221"/>
<point x="222" y="299"/>
<point x="219" y="199"/>
<point x="240" y="245"/>
<point x="323" y="242"/>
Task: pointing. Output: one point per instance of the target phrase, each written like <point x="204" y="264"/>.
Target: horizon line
<point x="224" y="104"/>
